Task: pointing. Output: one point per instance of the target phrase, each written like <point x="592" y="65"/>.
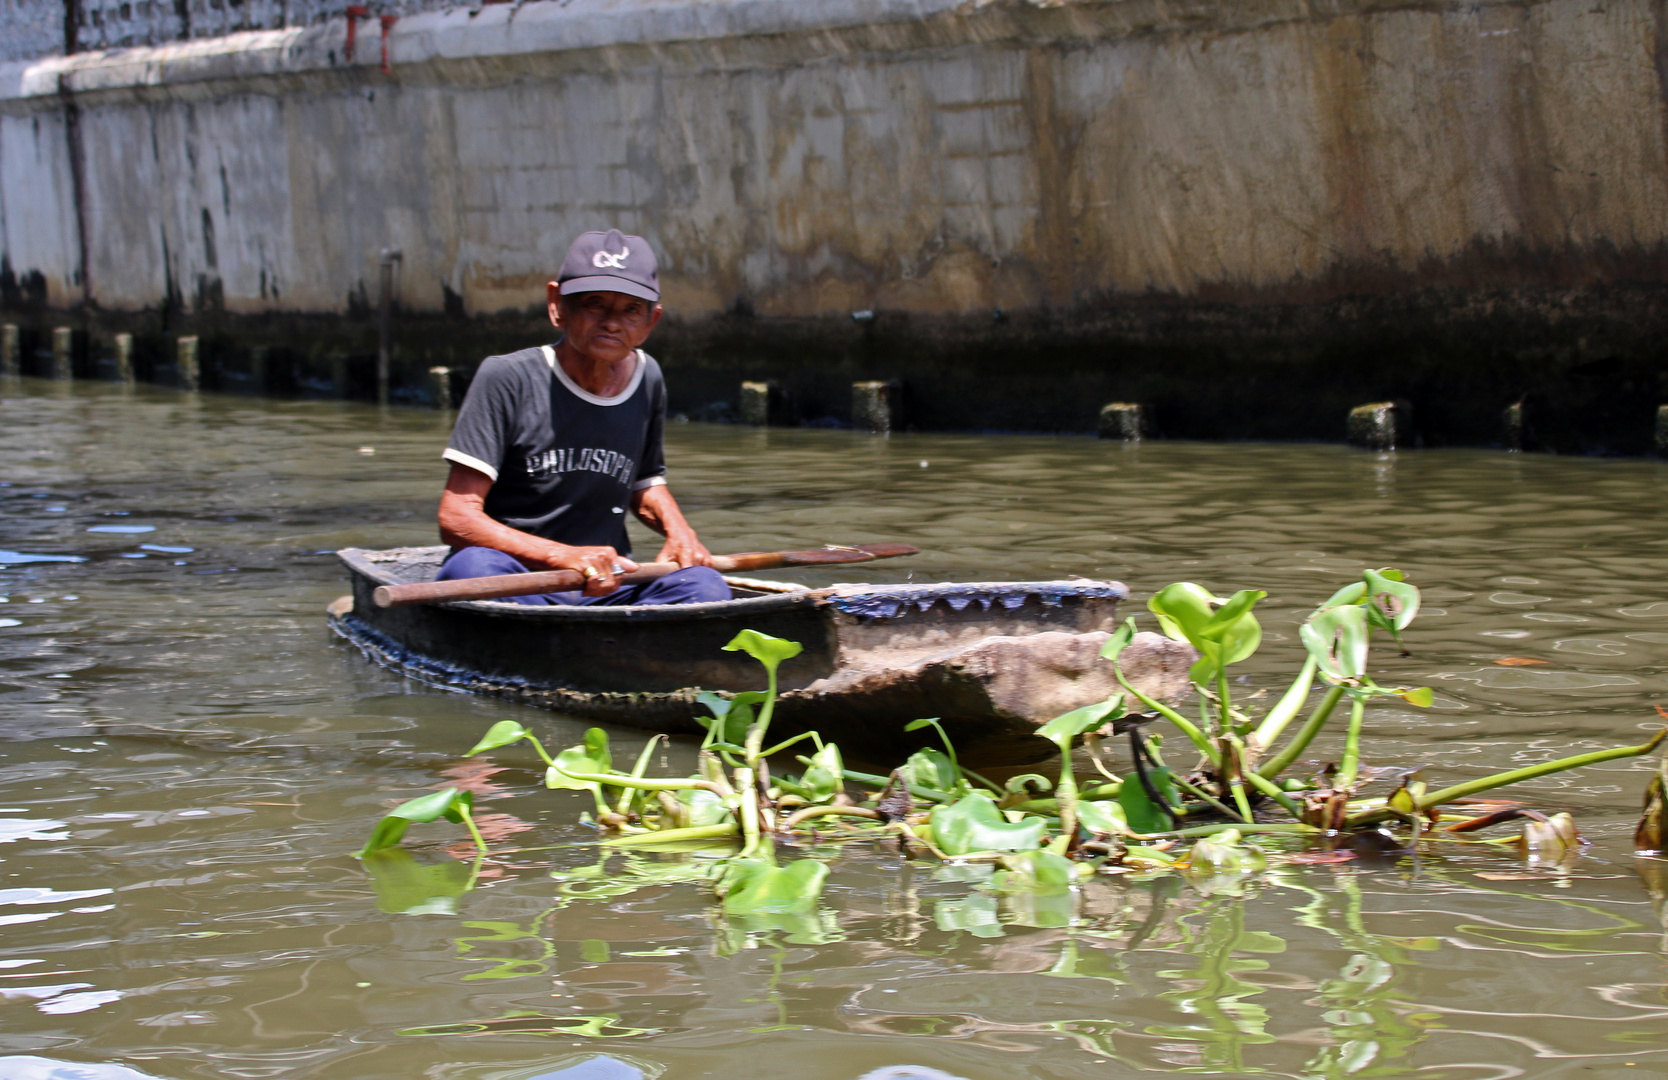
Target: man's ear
<point x="553" y="299"/>
<point x="654" y="316"/>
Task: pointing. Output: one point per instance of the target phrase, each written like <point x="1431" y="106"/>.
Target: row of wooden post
<point x="186" y="360"/>
<point x="1387" y="425"/>
<point x="63" y="356"/>
<point x="876" y="405"/>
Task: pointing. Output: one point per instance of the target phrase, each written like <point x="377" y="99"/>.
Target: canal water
<point x="188" y="760"/>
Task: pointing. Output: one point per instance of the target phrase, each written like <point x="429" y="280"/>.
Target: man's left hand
<point x="685" y="551"/>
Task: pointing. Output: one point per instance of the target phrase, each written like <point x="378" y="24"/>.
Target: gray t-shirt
<point x="563" y="462"/>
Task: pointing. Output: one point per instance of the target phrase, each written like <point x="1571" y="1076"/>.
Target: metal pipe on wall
<point x="385" y="325"/>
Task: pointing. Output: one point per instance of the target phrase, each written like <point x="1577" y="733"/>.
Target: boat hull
<point x="991" y="660"/>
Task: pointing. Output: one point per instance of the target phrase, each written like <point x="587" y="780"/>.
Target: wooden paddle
<point x="544" y="581"/>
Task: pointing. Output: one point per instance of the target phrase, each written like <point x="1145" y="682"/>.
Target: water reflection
<point x="189" y="760"/>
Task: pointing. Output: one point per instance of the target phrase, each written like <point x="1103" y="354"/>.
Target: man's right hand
<point x="601" y="566"/>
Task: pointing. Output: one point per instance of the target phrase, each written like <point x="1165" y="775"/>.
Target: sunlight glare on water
<point x="188" y="760"/>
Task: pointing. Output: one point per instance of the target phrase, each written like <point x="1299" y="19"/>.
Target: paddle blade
<point x="841" y="554"/>
<point x="889" y="551"/>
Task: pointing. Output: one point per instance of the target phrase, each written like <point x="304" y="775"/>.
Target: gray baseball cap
<point x="610" y="262"/>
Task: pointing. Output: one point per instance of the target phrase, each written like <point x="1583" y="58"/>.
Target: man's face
<point x="605" y="326"/>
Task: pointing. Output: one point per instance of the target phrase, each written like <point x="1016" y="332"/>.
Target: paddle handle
<point x="544" y="581"/>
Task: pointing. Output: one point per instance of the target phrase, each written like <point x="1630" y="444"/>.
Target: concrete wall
<point x="1250" y="213"/>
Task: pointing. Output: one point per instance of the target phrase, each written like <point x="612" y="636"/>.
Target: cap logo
<point x="602" y="260"/>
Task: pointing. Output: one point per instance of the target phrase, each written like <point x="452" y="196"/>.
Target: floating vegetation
<point x="1038" y="836"/>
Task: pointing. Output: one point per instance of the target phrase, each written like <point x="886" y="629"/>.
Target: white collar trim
<point x="585" y="395"/>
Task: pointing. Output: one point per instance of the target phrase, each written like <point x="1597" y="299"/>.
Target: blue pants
<point x="691" y="585"/>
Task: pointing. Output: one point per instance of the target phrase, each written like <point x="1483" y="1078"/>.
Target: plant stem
<point x="469" y="823"/>
<point x="1305" y="735"/>
<point x="1236" y="787"/>
<point x="881" y="781"/>
<point x="1272" y="790"/>
<point x="761" y="724"/>
<point x="781" y="746"/>
<point x="1216" y="805"/>
<point x="823" y="811"/>
<point x="1211" y="830"/>
<point x="1350" y="764"/>
<point x="1066" y="793"/>
<point x="538" y="748"/>
<point x="748" y="811"/>
<point x="1284" y="710"/>
<point x="1187" y="726"/>
<point x="637" y="772"/>
<point x="647" y="783"/>
<point x="1488" y="783"/>
<point x="672" y="836"/>
<point x="1224" y="718"/>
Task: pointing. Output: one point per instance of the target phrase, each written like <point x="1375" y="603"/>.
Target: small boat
<point x="991" y="660"/>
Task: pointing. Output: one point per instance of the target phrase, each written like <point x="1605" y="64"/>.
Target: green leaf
<point x="731" y="716"/>
<point x="1183" y="609"/>
<point x="1237" y="607"/>
<point x="1398" y="602"/>
<point x="917" y="725"/>
<point x="767" y="650"/>
<point x="1337" y="639"/>
<point x="500" y="734"/>
<point x="1225" y="853"/>
<point x="973" y="823"/>
<point x="1353" y="593"/>
<point x="1104" y="816"/>
<point x="975" y="913"/>
<point x="1142" y="814"/>
<point x="931" y="769"/>
<point x="824" y="776"/>
<point x="1120" y="639"/>
<point x="1223" y="631"/>
<point x="591" y="756"/>
<point x="1038" y="871"/>
<point x="759" y="886"/>
<point x="1421" y="696"/>
<point x="1018" y="784"/>
<point x="425" y="808"/>
<point x="705" y="807"/>
<point x="1064" y="728"/>
<point x="405" y="886"/>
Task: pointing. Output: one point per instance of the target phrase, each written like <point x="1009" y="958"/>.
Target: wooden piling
<point x="124" y="359"/>
<point x="761" y="404"/>
<point x="1123" y="420"/>
<point x="63" y="353"/>
<point x="875" y="406"/>
<point x="186" y="357"/>
<point x="440" y="387"/>
<point x="11" y="349"/>
<point x="1511" y="427"/>
<point x="1381" y="425"/>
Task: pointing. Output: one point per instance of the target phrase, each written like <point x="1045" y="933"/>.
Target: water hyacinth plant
<point x="1040" y="835"/>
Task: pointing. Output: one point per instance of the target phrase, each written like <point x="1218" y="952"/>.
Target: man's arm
<point x="655" y="507"/>
<point x="464" y="523"/>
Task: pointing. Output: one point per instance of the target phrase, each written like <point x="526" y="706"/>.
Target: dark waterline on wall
<point x="1585" y="367"/>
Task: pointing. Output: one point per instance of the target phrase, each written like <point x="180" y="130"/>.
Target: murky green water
<point x="188" y="759"/>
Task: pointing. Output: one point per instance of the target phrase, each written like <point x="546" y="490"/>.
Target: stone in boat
<point x="992" y="660"/>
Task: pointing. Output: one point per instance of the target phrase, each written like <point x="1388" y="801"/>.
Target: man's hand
<point x="601" y="566"/>
<point x="685" y="550"/>
<point x="655" y="507"/>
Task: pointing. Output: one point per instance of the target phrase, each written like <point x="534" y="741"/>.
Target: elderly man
<point x="553" y="444"/>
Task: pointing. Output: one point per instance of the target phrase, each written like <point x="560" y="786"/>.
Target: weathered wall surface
<point x="1249" y="213"/>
